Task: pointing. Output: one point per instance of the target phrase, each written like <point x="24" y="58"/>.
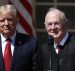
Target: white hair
<point x="8" y="8"/>
<point x="62" y="14"/>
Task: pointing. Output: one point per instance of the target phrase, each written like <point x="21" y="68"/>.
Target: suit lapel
<point x="64" y="52"/>
<point x="1" y="58"/>
<point x="64" y="48"/>
<point x="17" y="47"/>
<point x="20" y="40"/>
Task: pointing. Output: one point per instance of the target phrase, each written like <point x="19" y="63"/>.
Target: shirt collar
<point x="3" y="39"/>
<point x="63" y="40"/>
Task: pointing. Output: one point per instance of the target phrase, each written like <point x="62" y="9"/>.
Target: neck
<point x="59" y="39"/>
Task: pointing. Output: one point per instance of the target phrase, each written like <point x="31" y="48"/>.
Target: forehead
<point x="6" y="11"/>
<point x="6" y="15"/>
<point x="53" y="16"/>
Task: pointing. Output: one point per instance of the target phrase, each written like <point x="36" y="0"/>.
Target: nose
<point x="6" y="22"/>
<point x="53" y="26"/>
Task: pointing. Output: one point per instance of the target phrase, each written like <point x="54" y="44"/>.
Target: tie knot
<point x="8" y="39"/>
<point x="59" y="46"/>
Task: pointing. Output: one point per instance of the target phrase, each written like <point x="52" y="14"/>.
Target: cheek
<point x="47" y="28"/>
<point x="62" y="29"/>
<point x="1" y="24"/>
<point x="60" y="33"/>
<point x="13" y="24"/>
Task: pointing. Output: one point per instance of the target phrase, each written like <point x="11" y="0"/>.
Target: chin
<point x="55" y="36"/>
<point x="7" y="32"/>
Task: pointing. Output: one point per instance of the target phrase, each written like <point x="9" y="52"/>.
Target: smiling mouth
<point x="7" y="29"/>
<point x="54" y="33"/>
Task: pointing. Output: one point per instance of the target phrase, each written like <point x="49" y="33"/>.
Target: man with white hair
<point x="51" y="57"/>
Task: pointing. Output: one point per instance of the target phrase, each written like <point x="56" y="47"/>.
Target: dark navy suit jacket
<point x="25" y="54"/>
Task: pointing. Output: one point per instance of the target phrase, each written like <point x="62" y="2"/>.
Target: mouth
<point x="54" y="32"/>
<point x="7" y="28"/>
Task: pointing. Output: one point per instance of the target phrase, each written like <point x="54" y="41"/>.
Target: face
<point x="54" y="25"/>
<point x="7" y="23"/>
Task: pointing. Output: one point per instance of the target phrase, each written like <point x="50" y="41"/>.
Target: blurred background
<point x="32" y="14"/>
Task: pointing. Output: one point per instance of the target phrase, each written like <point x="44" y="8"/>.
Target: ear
<point x="17" y="20"/>
<point x="67" y="24"/>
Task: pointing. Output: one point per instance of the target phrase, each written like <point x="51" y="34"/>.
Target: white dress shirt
<point x="3" y="41"/>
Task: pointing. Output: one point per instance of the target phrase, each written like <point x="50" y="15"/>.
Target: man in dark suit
<point x="49" y="56"/>
<point x="23" y="47"/>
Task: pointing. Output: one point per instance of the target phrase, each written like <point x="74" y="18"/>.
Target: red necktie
<point x="7" y="56"/>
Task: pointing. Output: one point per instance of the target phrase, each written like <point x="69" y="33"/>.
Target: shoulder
<point x="72" y="37"/>
<point x="25" y="37"/>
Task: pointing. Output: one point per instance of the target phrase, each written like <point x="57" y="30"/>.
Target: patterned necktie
<point x="7" y="56"/>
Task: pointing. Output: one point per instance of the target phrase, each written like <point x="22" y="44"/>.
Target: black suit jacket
<point x="64" y="61"/>
<point x="25" y="54"/>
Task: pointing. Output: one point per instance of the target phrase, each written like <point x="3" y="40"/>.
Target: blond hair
<point x="8" y="8"/>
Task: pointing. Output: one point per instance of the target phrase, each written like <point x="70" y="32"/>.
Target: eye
<point x="57" y="23"/>
<point x="2" y="20"/>
<point x="50" y="23"/>
<point x="10" y="19"/>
